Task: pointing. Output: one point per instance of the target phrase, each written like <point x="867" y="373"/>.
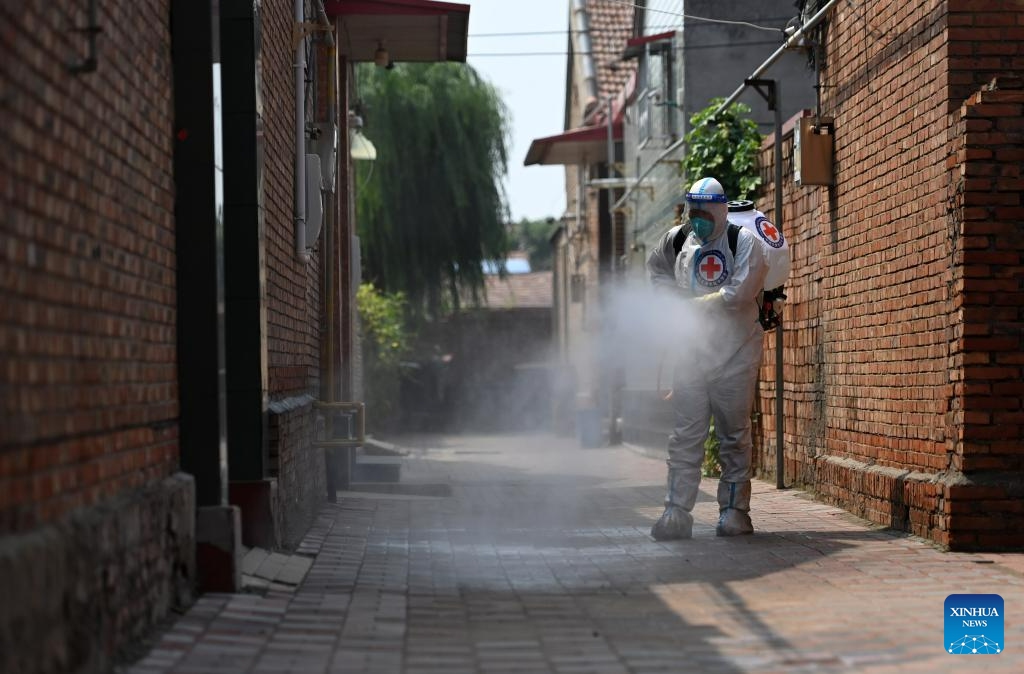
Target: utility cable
<point x="695" y="18"/>
<point x="527" y="33"/>
<point x="605" y="52"/>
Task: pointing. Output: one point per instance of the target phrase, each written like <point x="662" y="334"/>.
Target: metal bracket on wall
<point x="768" y="94"/>
<point x="89" y="63"/>
<point x="678" y="164"/>
<point x="300" y="31"/>
<point x="649" y="189"/>
<point x="339" y="447"/>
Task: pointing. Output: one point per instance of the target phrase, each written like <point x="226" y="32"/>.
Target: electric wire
<point x="527" y="33"/>
<point x="613" y="52"/>
<point x="695" y="18"/>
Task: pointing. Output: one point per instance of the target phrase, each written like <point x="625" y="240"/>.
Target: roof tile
<point x="519" y="291"/>
<point x="611" y="24"/>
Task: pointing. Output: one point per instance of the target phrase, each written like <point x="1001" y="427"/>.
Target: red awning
<point x="411" y="30"/>
<point x="585" y="145"/>
<point x="635" y="46"/>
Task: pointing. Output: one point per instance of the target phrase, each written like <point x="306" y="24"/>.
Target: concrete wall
<point x="717" y="57"/>
<point x="709" y="60"/>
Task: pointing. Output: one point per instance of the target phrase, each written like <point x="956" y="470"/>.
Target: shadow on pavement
<point x="550" y="563"/>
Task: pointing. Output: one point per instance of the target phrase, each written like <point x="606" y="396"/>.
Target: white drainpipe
<point x="582" y="45"/>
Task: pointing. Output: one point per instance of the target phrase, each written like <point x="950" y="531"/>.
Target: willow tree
<point x="433" y="209"/>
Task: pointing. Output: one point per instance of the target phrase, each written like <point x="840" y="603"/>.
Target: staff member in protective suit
<point x="719" y="274"/>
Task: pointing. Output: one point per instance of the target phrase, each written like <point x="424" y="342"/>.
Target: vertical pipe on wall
<point x="582" y="45"/>
<point x="349" y="377"/>
<point x="334" y="225"/>
<point x="780" y="420"/>
<point x="300" y="129"/>
<point x="611" y="142"/>
<point x="329" y="353"/>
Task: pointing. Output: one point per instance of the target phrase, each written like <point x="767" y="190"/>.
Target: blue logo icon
<point x="974" y="624"/>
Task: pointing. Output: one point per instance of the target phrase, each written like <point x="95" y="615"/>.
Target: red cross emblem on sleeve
<point x="769" y="232"/>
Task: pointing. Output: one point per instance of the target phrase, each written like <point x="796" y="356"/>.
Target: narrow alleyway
<point x="527" y="554"/>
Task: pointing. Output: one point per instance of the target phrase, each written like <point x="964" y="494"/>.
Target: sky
<point x="533" y="88"/>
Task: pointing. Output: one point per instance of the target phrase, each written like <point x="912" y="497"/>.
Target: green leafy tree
<point x="726" y="148"/>
<point x="433" y="209"/>
<point x="534" y="236"/>
<point x="386" y="340"/>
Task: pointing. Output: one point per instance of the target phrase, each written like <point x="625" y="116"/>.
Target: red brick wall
<point x="986" y="38"/>
<point x="293" y="290"/>
<point x="87" y="289"/>
<point x="804" y="404"/>
<point x="293" y="287"/>
<point x="902" y="324"/>
<point x="986" y="510"/>
<point x="97" y="527"/>
<point x="887" y="263"/>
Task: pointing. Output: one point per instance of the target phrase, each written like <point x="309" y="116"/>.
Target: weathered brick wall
<point x="887" y="373"/>
<point x="298" y="468"/>
<point x="804" y="349"/>
<point x="97" y="530"/>
<point x="293" y="291"/>
<point x="887" y="261"/>
<point x="77" y="591"/>
<point x="985" y="509"/>
<point x="87" y="301"/>
<point x="986" y="38"/>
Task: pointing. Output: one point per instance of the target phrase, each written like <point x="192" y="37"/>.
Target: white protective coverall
<point x="717" y="362"/>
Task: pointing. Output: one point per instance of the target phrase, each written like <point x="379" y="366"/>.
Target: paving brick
<point x="540" y="561"/>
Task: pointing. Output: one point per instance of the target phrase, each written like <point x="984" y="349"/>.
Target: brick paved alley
<point x="528" y="554"/>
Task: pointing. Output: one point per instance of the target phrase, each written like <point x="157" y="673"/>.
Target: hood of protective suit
<point x="708" y="195"/>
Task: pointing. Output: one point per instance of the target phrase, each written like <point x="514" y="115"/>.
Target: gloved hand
<point x="709" y="300"/>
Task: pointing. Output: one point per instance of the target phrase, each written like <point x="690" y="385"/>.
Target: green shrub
<point x="726" y="149"/>
<point x="711" y="466"/>
<point x="386" y="341"/>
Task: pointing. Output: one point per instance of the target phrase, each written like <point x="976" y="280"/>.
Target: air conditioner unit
<point x="326" y="146"/>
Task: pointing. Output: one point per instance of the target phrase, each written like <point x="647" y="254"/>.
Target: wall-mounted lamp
<point x="381" y="57"/>
<point x="360" y="147"/>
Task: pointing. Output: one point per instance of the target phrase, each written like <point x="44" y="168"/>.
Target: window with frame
<point x="655" y="104"/>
